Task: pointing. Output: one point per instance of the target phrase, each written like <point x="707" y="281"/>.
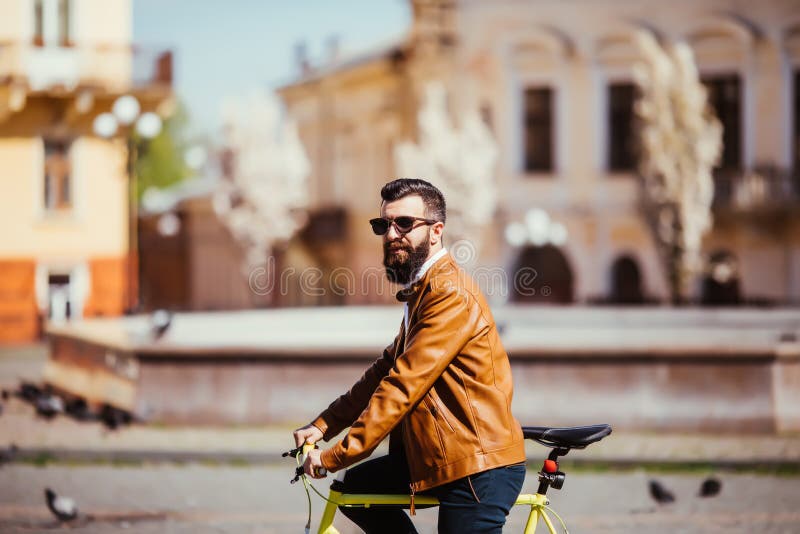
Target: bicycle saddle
<point x="573" y="437"/>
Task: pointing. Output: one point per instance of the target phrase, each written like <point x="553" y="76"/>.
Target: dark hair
<point x="435" y="207"/>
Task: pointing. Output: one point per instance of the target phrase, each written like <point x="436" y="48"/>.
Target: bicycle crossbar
<point x="368" y="499"/>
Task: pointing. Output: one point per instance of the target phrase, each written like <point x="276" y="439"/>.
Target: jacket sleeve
<point x="343" y="411"/>
<point x="444" y="325"/>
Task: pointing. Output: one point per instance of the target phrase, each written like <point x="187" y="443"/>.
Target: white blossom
<point x="264" y="200"/>
<point x="681" y="141"/>
<point x="460" y="161"/>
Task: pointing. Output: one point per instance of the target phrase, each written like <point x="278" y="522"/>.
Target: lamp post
<point x="126" y="118"/>
<point x="537" y="229"/>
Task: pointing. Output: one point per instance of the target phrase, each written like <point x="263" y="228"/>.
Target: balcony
<point x="766" y="189"/>
<point x="109" y="68"/>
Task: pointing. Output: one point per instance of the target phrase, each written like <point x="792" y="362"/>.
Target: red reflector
<point x="550" y="466"/>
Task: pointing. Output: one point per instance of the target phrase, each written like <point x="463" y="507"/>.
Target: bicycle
<point x="561" y="440"/>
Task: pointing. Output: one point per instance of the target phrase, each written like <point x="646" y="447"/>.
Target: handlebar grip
<point x="320" y="471"/>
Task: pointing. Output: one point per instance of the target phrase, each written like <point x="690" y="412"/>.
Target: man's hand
<point x="312" y="464"/>
<point x="307" y="434"/>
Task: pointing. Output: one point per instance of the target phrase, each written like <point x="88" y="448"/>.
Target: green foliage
<point x="160" y="162"/>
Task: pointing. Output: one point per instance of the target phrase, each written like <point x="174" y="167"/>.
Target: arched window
<point x="542" y="274"/>
<point x="721" y="280"/>
<point x="626" y="281"/>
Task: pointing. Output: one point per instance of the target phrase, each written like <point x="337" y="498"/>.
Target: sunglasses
<point x="403" y="224"/>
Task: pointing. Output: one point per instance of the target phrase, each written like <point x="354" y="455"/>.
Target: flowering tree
<point x="459" y="161"/>
<point x="264" y="194"/>
<point x="681" y="141"/>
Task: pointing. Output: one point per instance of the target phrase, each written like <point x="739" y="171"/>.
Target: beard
<point x="403" y="261"/>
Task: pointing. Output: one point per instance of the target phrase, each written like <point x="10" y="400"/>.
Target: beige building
<point x="553" y="79"/>
<point x="64" y="244"/>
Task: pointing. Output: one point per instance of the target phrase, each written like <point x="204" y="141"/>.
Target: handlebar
<point x="300" y="453"/>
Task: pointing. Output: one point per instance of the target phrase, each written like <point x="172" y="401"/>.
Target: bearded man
<point x="441" y="391"/>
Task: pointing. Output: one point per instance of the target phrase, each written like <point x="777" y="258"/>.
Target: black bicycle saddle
<point x="573" y="437"/>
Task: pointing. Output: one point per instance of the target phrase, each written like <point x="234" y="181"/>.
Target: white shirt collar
<point x="427" y="265"/>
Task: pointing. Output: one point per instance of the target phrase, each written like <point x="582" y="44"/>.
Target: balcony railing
<point x="765" y="187"/>
<point x="110" y="67"/>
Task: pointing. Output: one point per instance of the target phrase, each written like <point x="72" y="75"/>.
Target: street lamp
<point x="126" y="118"/>
<point x="537" y="229"/>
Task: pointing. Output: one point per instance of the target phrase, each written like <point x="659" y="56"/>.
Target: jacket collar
<point x="425" y="266"/>
<point x="410" y="292"/>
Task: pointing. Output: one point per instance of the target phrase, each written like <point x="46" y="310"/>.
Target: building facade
<point x="64" y="192"/>
<point x="554" y="81"/>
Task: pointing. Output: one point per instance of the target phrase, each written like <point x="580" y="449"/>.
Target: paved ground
<point x="256" y="497"/>
<point x="200" y="498"/>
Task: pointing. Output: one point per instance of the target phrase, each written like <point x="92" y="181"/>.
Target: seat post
<point x="547" y="475"/>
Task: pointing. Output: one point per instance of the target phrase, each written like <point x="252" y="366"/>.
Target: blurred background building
<point x="66" y="249"/>
<point x="100" y="218"/>
<point x="554" y="82"/>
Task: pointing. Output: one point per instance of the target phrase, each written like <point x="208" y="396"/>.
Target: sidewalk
<point x="65" y="439"/>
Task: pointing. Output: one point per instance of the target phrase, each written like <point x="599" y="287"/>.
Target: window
<point x="51" y="22"/>
<point x="64" y="37"/>
<point x="539" y="129"/>
<point x="622" y="128"/>
<point x="724" y="96"/>
<point x="38" y="22"/>
<point x="58" y="297"/>
<point x="486" y="116"/>
<point x="796" y="136"/>
<point x="57" y="176"/>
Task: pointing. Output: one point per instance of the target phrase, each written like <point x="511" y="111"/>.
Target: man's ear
<point x="436" y="232"/>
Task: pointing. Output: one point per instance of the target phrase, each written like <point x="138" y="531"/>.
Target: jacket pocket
<point x="423" y="438"/>
<point x="438" y="412"/>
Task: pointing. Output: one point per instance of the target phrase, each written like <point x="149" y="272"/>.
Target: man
<point x="442" y="389"/>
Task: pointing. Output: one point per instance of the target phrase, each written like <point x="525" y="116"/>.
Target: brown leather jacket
<point x="444" y="387"/>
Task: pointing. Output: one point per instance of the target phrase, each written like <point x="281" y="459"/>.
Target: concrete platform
<point x="664" y="369"/>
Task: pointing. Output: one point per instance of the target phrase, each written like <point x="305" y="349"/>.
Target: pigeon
<point x="160" y="322"/>
<point x="63" y="508"/>
<point x="29" y="392"/>
<point x="113" y="418"/>
<point x="660" y="494"/>
<point x="48" y="406"/>
<point x="78" y="409"/>
<point x="6" y="394"/>
<point x="710" y="487"/>
<point x="8" y="454"/>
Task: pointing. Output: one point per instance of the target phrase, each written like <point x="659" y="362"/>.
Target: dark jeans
<point x="477" y="503"/>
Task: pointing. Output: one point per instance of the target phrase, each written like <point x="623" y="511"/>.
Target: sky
<point x="230" y="47"/>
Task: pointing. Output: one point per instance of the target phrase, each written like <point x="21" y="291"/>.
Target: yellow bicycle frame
<point x="537" y="503"/>
<point x="561" y="440"/>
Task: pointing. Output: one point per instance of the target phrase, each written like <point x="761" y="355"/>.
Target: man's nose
<point x="392" y="233"/>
